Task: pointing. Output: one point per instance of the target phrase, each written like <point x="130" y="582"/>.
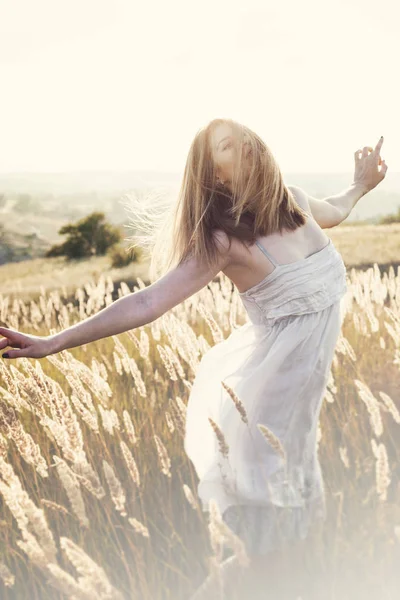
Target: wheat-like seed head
<point x="372" y="405"/>
<point x="129" y="428"/>
<point x="238" y="403"/>
<point x="390" y="406"/>
<point x="223" y="446"/>
<point x="139" y="527"/>
<point x="215" y="329"/>
<point x="54" y="506"/>
<point x="273" y="441"/>
<point x="189" y="496"/>
<point x="163" y="456"/>
<point x="130" y="463"/>
<point x="170" y="422"/>
<point x="71" y="485"/>
<point x="165" y="357"/>
<point x="382" y="469"/>
<point x="110" y="419"/>
<point x="116" y="490"/>
<point x="7" y="577"/>
<point x="91" y="573"/>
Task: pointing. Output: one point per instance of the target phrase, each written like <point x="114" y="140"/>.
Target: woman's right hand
<point x="30" y="346"/>
<point x="366" y="171"/>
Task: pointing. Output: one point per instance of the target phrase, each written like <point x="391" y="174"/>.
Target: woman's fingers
<point x="9" y="334"/>
<point x="363" y="152"/>
<point x="367" y="163"/>
<point x="30" y="347"/>
<point x="17" y="353"/>
<point x="379" y="145"/>
<point x="8" y="338"/>
<point x="4" y="343"/>
<point x="366" y="150"/>
<point x="11" y="338"/>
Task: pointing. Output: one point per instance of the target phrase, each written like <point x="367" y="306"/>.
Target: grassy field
<point x="97" y="497"/>
<point x="28" y="279"/>
<point x="360" y="248"/>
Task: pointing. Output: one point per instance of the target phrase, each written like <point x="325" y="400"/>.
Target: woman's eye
<point x="227" y="146"/>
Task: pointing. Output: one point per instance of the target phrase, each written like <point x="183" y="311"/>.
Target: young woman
<point x="234" y="214"/>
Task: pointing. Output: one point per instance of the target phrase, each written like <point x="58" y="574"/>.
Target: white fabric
<point x="278" y="365"/>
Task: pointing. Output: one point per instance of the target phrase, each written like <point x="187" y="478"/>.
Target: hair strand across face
<point x="252" y="205"/>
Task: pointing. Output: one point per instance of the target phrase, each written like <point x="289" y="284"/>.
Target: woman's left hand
<point x="31" y="346"/>
<point x="366" y="171"/>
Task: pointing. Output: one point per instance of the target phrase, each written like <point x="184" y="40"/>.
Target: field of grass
<point x="28" y="279"/>
<point x="360" y="247"/>
<point x="97" y="497"/>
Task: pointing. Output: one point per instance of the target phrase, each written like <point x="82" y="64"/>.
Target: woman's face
<point x="230" y="151"/>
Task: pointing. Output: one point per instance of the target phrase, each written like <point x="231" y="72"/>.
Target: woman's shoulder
<point x="300" y="196"/>
<point x="222" y="240"/>
<point x="230" y="246"/>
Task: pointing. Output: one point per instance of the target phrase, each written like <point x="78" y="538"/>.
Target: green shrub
<point x="395" y="218"/>
<point x="90" y="236"/>
<point x="122" y="257"/>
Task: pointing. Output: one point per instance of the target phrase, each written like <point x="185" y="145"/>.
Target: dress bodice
<point x="306" y="285"/>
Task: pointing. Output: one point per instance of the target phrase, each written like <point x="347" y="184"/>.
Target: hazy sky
<point x="120" y="84"/>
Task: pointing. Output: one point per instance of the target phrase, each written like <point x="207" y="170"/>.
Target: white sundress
<point x="278" y="365"/>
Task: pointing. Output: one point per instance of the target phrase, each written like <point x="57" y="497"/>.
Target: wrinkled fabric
<point x="278" y="365"/>
<point x="265" y="529"/>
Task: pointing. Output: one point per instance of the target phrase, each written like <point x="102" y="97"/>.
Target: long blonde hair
<point x="174" y="230"/>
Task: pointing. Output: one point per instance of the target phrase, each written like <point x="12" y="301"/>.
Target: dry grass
<point x="98" y="499"/>
<point x="30" y="278"/>
<point x="360" y="247"/>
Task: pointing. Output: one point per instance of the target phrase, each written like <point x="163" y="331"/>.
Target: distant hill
<point x="15" y="247"/>
<point x="76" y="182"/>
<point x="116" y="181"/>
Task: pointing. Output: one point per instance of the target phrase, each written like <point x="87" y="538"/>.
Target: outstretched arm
<point x="126" y="313"/>
<point x="129" y="312"/>
<point x="141" y="307"/>
<point x="331" y="211"/>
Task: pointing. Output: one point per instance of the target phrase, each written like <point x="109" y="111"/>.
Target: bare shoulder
<point x="230" y="247"/>
<point x="300" y="197"/>
<point x="222" y="240"/>
<point x="324" y="213"/>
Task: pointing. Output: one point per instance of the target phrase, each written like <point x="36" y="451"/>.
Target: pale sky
<point x="123" y="84"/>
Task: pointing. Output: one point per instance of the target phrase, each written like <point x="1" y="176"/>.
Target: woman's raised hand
<point x="31" y="346"/>
<point x="367" y="171"/>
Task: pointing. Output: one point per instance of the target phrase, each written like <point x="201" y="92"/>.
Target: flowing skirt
<point x="279" y="373"/>
<point x="265" y="529"/>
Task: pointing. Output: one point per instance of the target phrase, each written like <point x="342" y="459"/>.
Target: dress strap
<point x="267" y="254"/>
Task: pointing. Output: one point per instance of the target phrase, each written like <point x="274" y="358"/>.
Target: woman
<point x="235" y="215"/>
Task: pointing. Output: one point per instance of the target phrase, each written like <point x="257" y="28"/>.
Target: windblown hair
<point x="258" y="205"/>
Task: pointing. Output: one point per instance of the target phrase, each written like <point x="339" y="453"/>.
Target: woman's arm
<point x="129" y="312"/>
<point x="126" y="313"/>
<point x="324" y="213"/>
<point x="141" y="307"/>
<point x="346" y="200"/>
<point x="367" y="176"/>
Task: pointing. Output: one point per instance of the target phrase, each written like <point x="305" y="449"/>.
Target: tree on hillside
<point x="90" y="236"/>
